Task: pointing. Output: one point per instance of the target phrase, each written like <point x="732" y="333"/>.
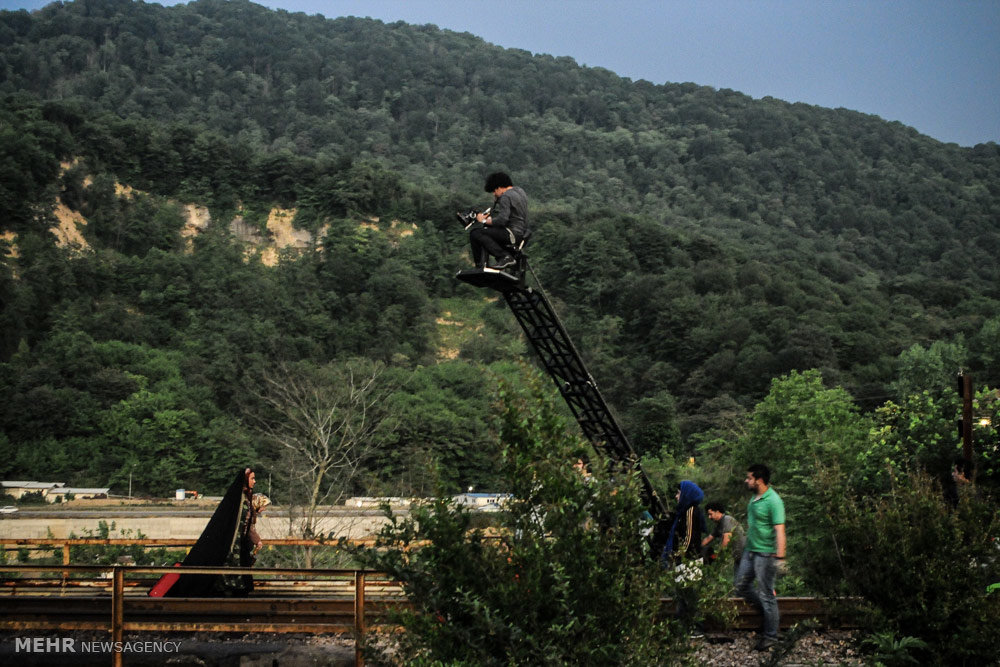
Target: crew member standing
<point x="765" y="547"/>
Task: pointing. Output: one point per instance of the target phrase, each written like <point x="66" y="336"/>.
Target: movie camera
<point x="468" y="219"/>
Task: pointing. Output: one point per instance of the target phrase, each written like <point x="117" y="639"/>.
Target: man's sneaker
<point x="505" y="262"/>
<point x="765" y="643"/>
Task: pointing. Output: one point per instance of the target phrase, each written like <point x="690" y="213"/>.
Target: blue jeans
<point x="759" y="568"/>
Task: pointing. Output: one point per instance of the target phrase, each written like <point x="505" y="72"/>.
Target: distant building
<point x="475" y="501"/>
<point x="51" y="491"/>
<point x="377" y="501"/>
<point x="77" y="492"/>
<point x="482" y="501"/>
<point x="479" y="499"/>
<point x="17" y="489"/>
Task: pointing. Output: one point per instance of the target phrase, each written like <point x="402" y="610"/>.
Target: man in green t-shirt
<point x="765" y="546"/>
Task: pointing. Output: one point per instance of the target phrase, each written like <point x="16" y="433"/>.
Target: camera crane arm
<point x="564" y="365"/>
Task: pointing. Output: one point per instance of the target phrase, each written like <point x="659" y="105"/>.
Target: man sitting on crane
<point x="503" y="227"/>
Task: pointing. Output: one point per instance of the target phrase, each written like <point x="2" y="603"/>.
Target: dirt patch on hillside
<point x="245" y="232"/>
<point x="11" y="238"/>
<point x="67" y="232"/>
<point x="284" y="235"/>
<point x="198" y="219"/>
<point x="400" y="229"/>
<point x="453" y="334"/>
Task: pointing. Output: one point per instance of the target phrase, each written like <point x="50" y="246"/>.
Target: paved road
<point x="168" y="512"/>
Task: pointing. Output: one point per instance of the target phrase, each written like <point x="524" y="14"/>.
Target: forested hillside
<point x="699" y="243"/>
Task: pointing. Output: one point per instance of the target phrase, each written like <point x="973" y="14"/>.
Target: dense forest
<point x="698" y="243"/>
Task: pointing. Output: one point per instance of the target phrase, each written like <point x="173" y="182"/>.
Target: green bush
<point x="562" y="579"/>
<point x="919" y="565"/>
<point x="101" y="554"/>
<point x="32" y="498"/>
<point x="888" y="651"/>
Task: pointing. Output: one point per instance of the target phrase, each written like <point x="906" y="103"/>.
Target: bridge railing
<point x="113" y="598"/>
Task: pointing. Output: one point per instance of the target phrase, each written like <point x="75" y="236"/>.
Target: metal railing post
<point x="65" y="550"/>
<point x="117" y="614"/>
<point x="359" y="617"/>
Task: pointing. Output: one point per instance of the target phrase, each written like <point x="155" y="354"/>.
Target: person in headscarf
<point x="682" y="552"/>
<point x="225" y="541"/>
<point x="684" y="538"/>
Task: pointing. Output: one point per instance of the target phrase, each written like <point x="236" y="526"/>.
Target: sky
<point x="933" y="65"/>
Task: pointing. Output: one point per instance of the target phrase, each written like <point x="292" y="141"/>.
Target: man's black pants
<point x="489" y="241"/>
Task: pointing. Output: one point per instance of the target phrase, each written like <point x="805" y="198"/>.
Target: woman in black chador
<point x="226" y="540"/>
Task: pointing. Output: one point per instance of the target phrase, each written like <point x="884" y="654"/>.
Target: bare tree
<point x="327" y="421"/>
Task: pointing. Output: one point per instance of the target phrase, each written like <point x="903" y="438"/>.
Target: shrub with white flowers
<point x="687" y="573"/>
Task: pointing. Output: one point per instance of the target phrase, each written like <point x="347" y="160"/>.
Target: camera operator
<point x="505" y="225"/>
